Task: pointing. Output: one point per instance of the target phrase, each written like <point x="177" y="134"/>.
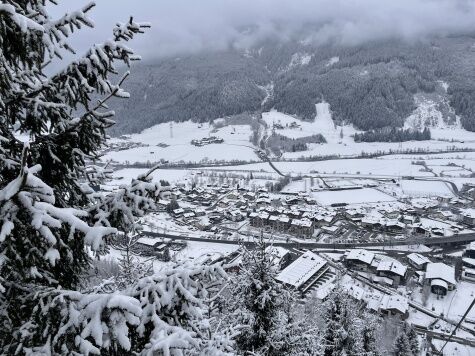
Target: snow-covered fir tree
<point x="51" y="219"/>
<point x="262" y="309"/>
<point x="348" y="329"/>
<point x="406" y="342"/>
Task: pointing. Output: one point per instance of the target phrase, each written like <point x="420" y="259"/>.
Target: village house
<point x="440" y="277"/>
<point x="467" y="216"/>
<point x="280" y="256"/>
<point x="178" y="212"/>
<point x="394" y="226"/>
<point x="470" y="250"/>
<point x="418" y="261"/>
<point x="410" y="219"/>
<point x="258" y="219"/>
<point x="359" y="259"/>
<point x="146" y="246"/>
<point x="394" y="305"/>
<point x="391" y="268"/>
<point x="234" y="215"/>
<point x="279" y="222"/>
<point x="354" y="215"/>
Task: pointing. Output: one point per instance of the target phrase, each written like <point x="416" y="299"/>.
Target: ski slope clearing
<point x="172" y="141"/>
<point x="340" y="138"/>
<point x="322" y="124"/>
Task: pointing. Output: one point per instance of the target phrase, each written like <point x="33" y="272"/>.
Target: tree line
<point x="393" y="134"/>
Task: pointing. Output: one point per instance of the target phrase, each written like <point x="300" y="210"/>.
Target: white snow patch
<point x="299" y="59"/>
<point x="332" y="61"/>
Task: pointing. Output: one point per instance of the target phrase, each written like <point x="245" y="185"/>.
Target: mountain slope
<point x="370" y="86"/>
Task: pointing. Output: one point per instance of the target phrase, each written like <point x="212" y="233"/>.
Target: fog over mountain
<point x="187" y="26"/>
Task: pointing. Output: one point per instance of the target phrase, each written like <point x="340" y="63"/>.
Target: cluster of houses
<point x="123" y="145"/>
<point x="207" y="141"/>
<point x="279" y="126"/>
<point x="299" y="220"/>
<point x="298" y="214"/>
<point x="386" y="270"/>
<point x="424" y="217"/>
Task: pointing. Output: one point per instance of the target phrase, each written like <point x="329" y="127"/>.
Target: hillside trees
<point x="393" y="134"/>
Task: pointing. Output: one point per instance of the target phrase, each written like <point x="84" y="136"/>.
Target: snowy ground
<point x="124" y="176"/>
<point x="174" y="139"/>
<point x="416" y="188"/>
<point x="354" y="196"/>
<point x="368" y="166"/>
<point x="175" y="144"/>
<point x="454" y="304"/>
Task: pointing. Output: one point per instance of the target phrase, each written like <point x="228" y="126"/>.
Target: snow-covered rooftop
<point x="361" y="255"/>
<point x="391" y="265"/>
<point x="148" y="241"/>
<point x="394" y="302"/>
<point x="300" y="271"/>
<point x="442" y="271"/>
<point x="418" y="258"/>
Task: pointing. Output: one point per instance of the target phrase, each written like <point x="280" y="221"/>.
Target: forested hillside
<point x="371" y="86"/>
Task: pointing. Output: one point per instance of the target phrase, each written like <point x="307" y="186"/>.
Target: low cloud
<point x="188" y="26"/>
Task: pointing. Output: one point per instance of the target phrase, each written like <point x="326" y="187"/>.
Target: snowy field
<point x="125" y="176"/>
<point x="174" y="140"/>
<point x="367" y="166"/>
<point x="353" y="196"/>
<point x="198" y="251"/>
<point x="415" y="188"/>
<point x="175" y="144"/>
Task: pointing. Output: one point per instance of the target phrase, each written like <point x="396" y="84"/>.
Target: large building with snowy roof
<point x="304" y="271"/>
<point x="441" y="278"/>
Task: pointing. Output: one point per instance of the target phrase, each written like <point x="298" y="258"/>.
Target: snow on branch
<point x="165" y="310"/>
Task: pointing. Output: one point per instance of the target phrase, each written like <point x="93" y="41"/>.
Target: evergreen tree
<point x="262" y="309"/>
<point x="369" y="330"/>
<point x="402" y="346"/>
<point x="348" y="330"/>
<point x="336" y="315"/>
<point x="52" y="220"/>
<point x="172" y="205"/>
<point x="406" y="343"/>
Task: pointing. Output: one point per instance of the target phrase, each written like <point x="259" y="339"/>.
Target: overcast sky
<point x="186" y="26"/>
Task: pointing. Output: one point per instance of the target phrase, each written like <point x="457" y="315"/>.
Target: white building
<point x="441" y="278"/>
<point x="304" y="271"/>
